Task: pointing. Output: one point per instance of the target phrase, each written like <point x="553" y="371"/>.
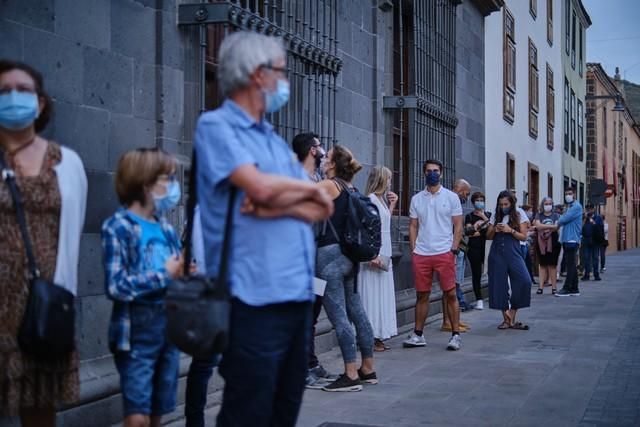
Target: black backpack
<point x="361" y="240"/>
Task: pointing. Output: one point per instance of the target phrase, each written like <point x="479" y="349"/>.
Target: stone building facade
<point x="131" y="73"/>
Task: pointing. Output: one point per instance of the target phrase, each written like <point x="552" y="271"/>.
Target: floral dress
<point x="26" y="382"/>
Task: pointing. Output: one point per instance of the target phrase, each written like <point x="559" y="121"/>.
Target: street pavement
<point x="578" y="365"/>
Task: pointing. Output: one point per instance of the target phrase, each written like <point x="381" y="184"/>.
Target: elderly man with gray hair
<point x="272" y="250"/>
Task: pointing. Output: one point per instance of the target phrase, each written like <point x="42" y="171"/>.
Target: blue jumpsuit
<point x="505" y="265"/>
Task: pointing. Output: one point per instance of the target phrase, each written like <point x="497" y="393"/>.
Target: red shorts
<point x="425" y="266"/>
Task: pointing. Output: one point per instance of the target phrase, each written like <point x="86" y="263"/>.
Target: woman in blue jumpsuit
<point x="506" y="267"/>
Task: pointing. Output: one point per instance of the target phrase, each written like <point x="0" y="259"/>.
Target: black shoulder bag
<point x="198" y="307"/>
<point x="48" y="325"/>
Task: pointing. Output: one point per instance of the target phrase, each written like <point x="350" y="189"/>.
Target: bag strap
<point x="8" y="175"/>
<point x="228" y="227"/>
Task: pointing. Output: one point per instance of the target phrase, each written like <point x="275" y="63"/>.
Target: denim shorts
<point x="149" y="372"/>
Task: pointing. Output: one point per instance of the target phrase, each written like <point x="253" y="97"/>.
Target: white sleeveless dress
<point x="376" y="286"/>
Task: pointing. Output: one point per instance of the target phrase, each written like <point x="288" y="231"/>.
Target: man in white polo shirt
<point x="435" y="230"/>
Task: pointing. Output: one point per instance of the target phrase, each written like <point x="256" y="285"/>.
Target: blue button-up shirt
<point x="271" y="260"/>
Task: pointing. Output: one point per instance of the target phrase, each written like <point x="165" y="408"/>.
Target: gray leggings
<point x="343" y="305"/>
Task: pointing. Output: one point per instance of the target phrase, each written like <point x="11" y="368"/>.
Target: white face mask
<point x="547" y="208"/>
<point x="568" y="198"/>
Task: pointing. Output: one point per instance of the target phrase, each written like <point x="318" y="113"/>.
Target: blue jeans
<point x="149" y="371"/>
<point x="265" y="365"/>
<point x="200" y="372"/>
<point x="591" y="259"/>
<point x="460" y="278"/>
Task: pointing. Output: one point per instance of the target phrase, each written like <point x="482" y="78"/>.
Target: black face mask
<point x="318" y="157"/>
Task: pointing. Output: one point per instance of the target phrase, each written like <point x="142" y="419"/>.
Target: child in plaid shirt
<point x="141" y="257"/>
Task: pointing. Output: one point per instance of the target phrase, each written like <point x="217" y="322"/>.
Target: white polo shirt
<point x="435" y="213"/>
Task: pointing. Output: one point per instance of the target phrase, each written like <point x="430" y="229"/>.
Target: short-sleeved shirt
<point x="271" y="260"/>
<point x="435" y="213"/>
<point x="522" y="216"/>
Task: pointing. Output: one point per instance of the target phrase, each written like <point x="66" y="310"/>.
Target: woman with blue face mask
<point x="476" y="223"/>
<point x="509" y="280"/>
<point x="142" y="256"/>
<point x="53" y="188"/>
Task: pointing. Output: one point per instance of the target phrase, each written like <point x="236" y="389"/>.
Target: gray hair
<point x="241" y="53"/>
<point x="546" y="199"/>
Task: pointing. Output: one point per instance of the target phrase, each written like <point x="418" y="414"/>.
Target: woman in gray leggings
<point x="340" y="301"/>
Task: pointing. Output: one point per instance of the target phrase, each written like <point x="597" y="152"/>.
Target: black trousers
<point x="476" y="261"/>
<point x="317" y="308"/>
<point x="569" y="257"/>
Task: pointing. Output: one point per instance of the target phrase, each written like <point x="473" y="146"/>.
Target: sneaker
<point x="454" y="343"/>
<point x="314" y="383"/>
<point x="597" y="278"/>
<point x="322" y="373"/>
<point x="585" y="278"/>
<point x="343" y="383"/>
<point x="414" y="341"/>
<point x="479" y="305"/>
<point x="371" y="378"/>
<point x="563" y="293"/>
<point x="575" y="293"/>
<point x="603" y="269"/>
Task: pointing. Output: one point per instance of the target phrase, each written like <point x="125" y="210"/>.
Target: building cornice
<point x="487" y="7"/>
<point x="584" y="16"/>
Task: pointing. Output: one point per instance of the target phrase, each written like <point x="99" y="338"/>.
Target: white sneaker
<point x="479" y="305"/>
<point x="414" y="341"/>
<point x="454" y="343"/>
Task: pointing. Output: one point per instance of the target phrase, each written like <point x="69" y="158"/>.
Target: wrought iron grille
<point x="424" y="92"/>
<point x="308" y="29"/>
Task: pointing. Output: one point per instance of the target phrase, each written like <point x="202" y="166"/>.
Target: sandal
<point x="378" y="346"/>
<point x="539" y="291"/>
<point x="504" y="325"/>
<point x="520" y="326"/>
<point x="553" y="291"/>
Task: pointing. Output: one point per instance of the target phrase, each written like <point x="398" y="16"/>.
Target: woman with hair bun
<point x="53" y="188"/>
<point x="341" y="302"/>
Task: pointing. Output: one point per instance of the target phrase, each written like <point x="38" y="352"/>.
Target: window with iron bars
<point x="423" y="101"/>
<point x="308" y="29"/>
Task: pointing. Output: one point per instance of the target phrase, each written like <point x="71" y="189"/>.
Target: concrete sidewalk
<point x="578" y="365"/>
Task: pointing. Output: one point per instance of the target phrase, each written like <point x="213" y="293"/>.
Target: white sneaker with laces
<point x="414" y="341"/>
<point x="479" y="305"/>
<point x="454" y="343"/>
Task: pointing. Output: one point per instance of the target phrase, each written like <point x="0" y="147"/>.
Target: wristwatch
<point x="455" y="251"/>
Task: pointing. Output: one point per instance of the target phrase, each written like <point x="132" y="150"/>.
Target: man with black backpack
<point x="435" y="231"/>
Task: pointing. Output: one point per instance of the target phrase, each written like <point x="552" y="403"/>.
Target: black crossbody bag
<point x="48" y="325"/>
<point x="198" y="307"/>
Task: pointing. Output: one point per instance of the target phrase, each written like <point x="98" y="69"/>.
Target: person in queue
<point x="509" y="279"/>
<point x="265" y="363"/>
<point x="53" y="184"/>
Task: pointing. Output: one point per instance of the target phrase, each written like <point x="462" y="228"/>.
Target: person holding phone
<point x="476" y="223"/>
<point x="509" y="280"/>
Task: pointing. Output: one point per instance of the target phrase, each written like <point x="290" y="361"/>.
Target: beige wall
<point x="619" y="206"/>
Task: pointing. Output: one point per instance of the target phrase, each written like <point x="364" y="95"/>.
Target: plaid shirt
<point x="125" y="281"/>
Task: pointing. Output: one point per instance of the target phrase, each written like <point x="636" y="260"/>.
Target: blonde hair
<point x="378" y="180"/>
<point x="139" y="169"/>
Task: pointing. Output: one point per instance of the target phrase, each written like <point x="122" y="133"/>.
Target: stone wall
<point x="123" y="75"/>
